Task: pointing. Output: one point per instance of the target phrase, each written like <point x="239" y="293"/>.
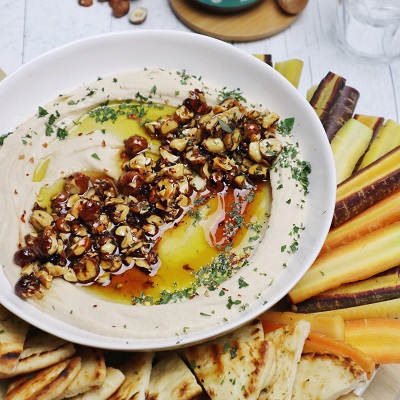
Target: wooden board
<point x="258" y="22"/>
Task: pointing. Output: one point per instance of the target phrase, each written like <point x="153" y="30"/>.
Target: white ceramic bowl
<point x="73" y="65"/>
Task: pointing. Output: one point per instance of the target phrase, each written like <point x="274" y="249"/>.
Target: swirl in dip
<point x="149" y="203"/>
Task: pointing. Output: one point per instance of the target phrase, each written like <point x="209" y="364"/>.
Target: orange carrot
<point x="379" y="338"/>
<point x="383" y="213"/>
<point x="324" y="344"/>
<point x="360" y="259"/>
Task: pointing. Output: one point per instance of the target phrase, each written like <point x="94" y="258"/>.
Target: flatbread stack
<point x="245" y="364"/>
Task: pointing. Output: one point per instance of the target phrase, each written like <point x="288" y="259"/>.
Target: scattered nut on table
<point x="120" y="7"/>
<point x="86" y="3"/>
<point x="138" y="15"/>
<point x="292" y="6"/>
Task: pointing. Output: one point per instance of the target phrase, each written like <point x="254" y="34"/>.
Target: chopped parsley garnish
<point x="285" y="126"/>
<point x="235" y="94"/>
<point x="95" y="155"/>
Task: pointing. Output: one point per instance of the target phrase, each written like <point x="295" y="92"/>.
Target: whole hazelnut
<point x="120" y="8"/>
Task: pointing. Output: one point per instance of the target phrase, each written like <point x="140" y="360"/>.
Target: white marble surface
<point x="30" y="28"/>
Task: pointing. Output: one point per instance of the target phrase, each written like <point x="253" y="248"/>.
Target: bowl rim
<point x="61" y="329"/>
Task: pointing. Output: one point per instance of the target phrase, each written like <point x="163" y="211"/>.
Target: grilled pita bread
<point x="250" y="332"/>
<point x="91" y="374"/>
<point x="288" y="342"/>
<point x="41" y="351"/>
<point x="46" y="384"/>
<point x="137" y="371"/>
<point x="171" y="379"/>
<point x="326" y="377"/>
<point x="114" y="379"/>
<point x="234" y="370"/>
<point x="13" y="331"/>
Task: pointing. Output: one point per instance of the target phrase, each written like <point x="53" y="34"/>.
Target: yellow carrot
<point x="325" y="324"/>
<point x="387" y="139"/>
<point x="360" y="259"/>
<point x="376" y="337"/>
<point x="291" y="70"/>
<point x="383" y="309"/>
<point x="348" y="145"/>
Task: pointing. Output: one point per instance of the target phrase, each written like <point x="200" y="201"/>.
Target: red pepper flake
<point x="103" y="143"/>
<point x="45" y="145"/>
<point x="23" y="216"/>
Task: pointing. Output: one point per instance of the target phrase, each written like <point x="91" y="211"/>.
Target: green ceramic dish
<point x="227" y="5"/>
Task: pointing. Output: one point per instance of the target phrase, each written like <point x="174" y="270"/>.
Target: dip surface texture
<point x="44" y="149"/>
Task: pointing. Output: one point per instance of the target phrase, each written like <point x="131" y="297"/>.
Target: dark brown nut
<point x="131" y="182"/>
<point x="85" y="3"/>
<point x="86" y="269"/>
<point x="89" y="210"/>
<point x="79" y="230"/>
<point x="63" y="225"/>
<point x="24" y="256"/>
<point x="232" y="140"/>
<point x="28" y="286"/>
<point x="195" y="157"/>
<point x="252" y="132"/>
<point x="135" y="145"/>
<point x="215" y="183"/>
<point x="120" y="8"/>
<point x="77" y="183"/>
<point x="45" y="245"/>
<point x="105" y="187"/>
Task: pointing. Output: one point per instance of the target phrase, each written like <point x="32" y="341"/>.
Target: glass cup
<point x="369" y="29"/>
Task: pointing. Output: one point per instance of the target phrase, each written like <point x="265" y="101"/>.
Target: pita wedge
<point x="326" y="377"/>
<point x="172" y="379"/>
<point x="288" y="342"/>
<point x="41" y="351"/>
<point x="114" y="379"/>
<point x="235" y="370"/>
<point x="13" y="331"/>
<point x="137" y="371"/>
<point x="46" y="384"/>
<point x="92" y="372"/>
<point x="250" y="332"/>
